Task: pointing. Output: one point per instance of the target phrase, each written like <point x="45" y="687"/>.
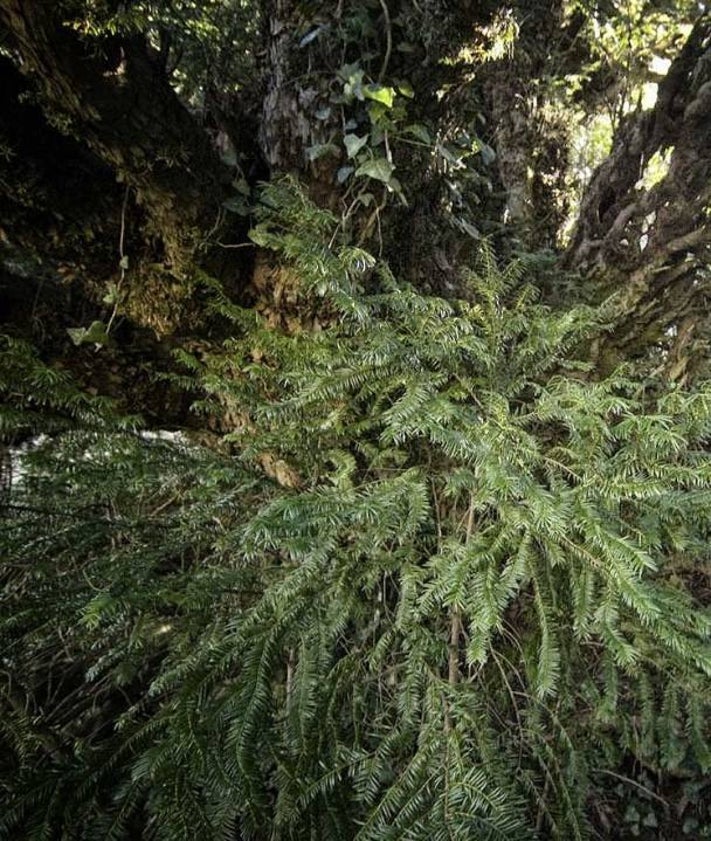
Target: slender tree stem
<point x="455" y="632"/>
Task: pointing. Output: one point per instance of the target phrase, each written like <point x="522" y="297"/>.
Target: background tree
<point x="404" y="543"/>
<point x="402" y="118"/>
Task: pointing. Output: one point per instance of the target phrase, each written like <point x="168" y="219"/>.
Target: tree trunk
<point x="530" y="139"/>
<point x="118" y="100"/>
<point x="651" y="243"/>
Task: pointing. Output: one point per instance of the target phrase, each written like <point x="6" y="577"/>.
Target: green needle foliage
<point x="427" y="585"/>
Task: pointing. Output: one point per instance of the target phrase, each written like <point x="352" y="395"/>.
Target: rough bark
<point x="120" y="103"/>
<point x="651" y="245"/>
<point x="528" y="135"/>
<point x="285" y="129"/>
<point x="44" y="173"/>
<point x="295" y="91"/>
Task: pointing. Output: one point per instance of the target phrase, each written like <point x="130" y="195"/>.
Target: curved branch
<point x="650" y="244"/>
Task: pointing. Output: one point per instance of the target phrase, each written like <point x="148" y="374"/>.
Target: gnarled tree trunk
<point x="119" y="102"/>
<point x="652" y="244"/>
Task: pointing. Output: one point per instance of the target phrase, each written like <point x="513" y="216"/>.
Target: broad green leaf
<point x="366" y="199"/>
<point x="379" y="168"/>
<point x="320" y="150"/>
<point x="95" y="332"/>
<point x="354" y="144"/>
<point x="350" y="71"/>
<point x="379" y="93"/>
<point x="112" y="294"/>
<point x="76" y="334"/>
<point x="420" y="132"/>
<point x="449" y="155"/>
<point x="344" y="174"/>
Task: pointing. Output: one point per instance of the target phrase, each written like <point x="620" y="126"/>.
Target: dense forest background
<point x="355" y="419"/>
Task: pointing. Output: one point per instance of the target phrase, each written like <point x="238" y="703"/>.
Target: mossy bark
<point x="117" y="99"/>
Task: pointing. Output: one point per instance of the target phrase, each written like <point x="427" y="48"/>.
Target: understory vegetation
<point x="355" y="420"/>
<point x="431" y="584"/>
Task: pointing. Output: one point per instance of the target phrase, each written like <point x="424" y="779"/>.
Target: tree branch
<point x="115" y="96"/>
<point x="616" y="211"/>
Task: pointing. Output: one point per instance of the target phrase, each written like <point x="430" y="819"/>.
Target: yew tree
<point x="355" y="419"/>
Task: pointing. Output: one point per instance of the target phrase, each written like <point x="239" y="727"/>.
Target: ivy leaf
<point x="344" y="174"/>
<point x="348" y="71"/>
<point x="379" y="168"/>
<point x="650" y="820"/>
<point x="76" y="334"/>
<point x="354" y="144"/>
<point x="320" y="150"/>
<point x="377" y="112"/>
<point x="379" y="93"/>
<point x="353" y="86"/>
<point x="420" y="132"/>
<point x="95" y="332"/>
<point x="631" y="815"/>
<point x="406" y="89"/>
<point x="112" y="294"/>
<point x="377" y="135"/>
